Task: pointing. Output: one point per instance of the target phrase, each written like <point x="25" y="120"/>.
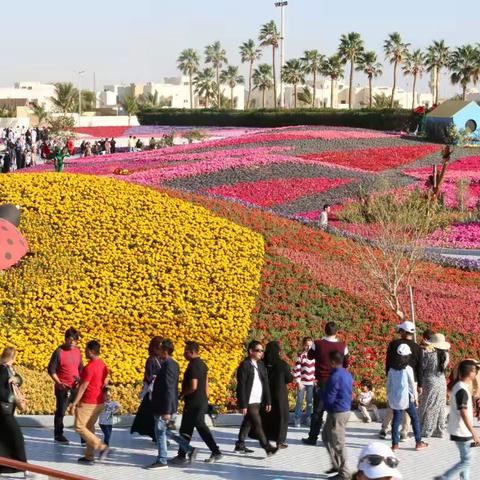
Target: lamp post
<point x="282" y="6"/>
<point x="80" y="73"/>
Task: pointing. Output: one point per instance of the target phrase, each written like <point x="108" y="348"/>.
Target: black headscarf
<point x="272" y="354"/>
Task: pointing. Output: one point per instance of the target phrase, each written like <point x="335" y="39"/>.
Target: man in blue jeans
<point x="460" y="423"/>
<point x="164" y="404"/>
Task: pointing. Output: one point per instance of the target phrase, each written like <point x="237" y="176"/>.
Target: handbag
<point x="7" y="408"/>
<point x="20" y="401"/>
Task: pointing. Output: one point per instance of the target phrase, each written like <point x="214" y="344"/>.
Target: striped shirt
<point x="304" y="370"/>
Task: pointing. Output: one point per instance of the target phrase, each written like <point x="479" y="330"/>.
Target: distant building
<point x="25" y="94"/>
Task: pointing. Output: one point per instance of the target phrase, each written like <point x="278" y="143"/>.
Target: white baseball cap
<point x="408" y="327"/>
<point x="404" y="350"/>
<point x="378" y="461"/>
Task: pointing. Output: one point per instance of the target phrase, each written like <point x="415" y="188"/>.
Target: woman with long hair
<point x="279" y="376"/>
<point x="144" y="422"/>
<point x="433" y="401"/>
<point x="12" y="444"/>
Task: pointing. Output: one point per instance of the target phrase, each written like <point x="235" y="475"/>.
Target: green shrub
<point x="375" y="119"/>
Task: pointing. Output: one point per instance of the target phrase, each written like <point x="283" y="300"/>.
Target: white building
<point x="23" y="94"/>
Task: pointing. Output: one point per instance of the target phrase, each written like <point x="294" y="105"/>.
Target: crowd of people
<point x="416" y="386"/>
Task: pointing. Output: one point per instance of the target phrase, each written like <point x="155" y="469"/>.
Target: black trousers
<point x="194" y="417"/>
<point x="12" y="444"/>
<point x="316" y="421"/>
<point x="64" y="399"/>
<point x="253" y="420"/>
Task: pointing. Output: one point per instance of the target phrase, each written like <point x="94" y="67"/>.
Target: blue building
<point x="462" y="115"/>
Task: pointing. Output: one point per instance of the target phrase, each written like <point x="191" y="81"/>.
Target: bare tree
<point x="392" y="261"/>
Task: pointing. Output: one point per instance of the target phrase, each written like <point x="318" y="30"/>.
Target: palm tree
<point x="438" y="57"/>
<point x="65" y="97"/>
<point x="293" y="73"/>
<point x="231" y="78"/>
<point x="149" y="100"/>
<point x="382" y="101"/>
<point x="313" y="61"/>
<point x="305" y="96"/>
<point x="368" y="64"/>
<point x="89" y="101"/>
<point x="395" y="52"/>
<point x="205" y="85"/>
<point x="249" y="53"/>
<point x="130" y="106"/>
<point x="262" y="80"/>
<point x="188" y="62"/>
<point x="270" y="37"/>
<point x="350" y="49"/>
<point x="465" y="67"/>
<point x="413" y="65"/>
<point x="217" y="56"/>
<point x="333" y="69"/>
<point x="40" y="112"/>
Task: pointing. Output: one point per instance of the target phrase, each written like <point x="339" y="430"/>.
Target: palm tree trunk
<point x="191" y="92"/>
<point x="392" y="100"/>
<point x="249" y="85"/>
<point x="437" y="86"/>
<point x="231" y="98"/>
<point x="464" y="92"/>
<point x="206" y="101"/>
<point x="263" y="99"/>
<point x="350" y="87"/>
<point x="414" y="88"/>
<point x="370" y="90"/>
<point x="314" y="87"/>
<point x="219" y="95"/>
<point x="274" y="79"/>
<point x="331" y="93"/>
<point x="295" y="95"/>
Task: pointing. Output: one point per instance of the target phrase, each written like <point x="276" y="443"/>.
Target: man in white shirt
<point x="253" y="394"/>
<point x="324" y="216"/>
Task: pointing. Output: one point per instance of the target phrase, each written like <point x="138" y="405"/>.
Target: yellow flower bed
<point x="123" y="263"/>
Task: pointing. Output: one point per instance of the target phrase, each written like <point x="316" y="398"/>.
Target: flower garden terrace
<point x="309" y="277"/>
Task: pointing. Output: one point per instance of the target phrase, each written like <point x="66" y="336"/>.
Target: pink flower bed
<point x="267" y="193"/>
<point x="459" y="235"/>
<point x="449" y="190"/>
<point x="373" y="159"/>
<point x="465" y="167"/>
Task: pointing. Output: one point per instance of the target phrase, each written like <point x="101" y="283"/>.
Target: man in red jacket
<point x="65" y="367"/>
<point x="320" y="352"/>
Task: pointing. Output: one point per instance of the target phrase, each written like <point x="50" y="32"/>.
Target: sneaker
<point x="421" y="446"/>
<point x="105" y="453"/>
<point x="395" y="448"/>
<point x="192" y="455"/>
<point x="403" y="437"/>
<point x="157" y="466"/>
<point x="86" y="461"/>
<point x="271" y="451"/>
<point x="62" y="439"/>
<point x="382" y="434"/>
<point x="309" y="441"/>
<point x="214" y="457"/>
<point x="331" y="471"/>
<point x="281" y="446"/>
<point x="297" y="424"/>
<point x="241" y="448"/>
<point x="178" y="460"/>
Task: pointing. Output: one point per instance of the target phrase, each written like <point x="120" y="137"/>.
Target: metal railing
<point x="49" y="472"/>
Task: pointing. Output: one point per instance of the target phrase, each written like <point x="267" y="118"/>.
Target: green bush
<point x="375" y="119"/>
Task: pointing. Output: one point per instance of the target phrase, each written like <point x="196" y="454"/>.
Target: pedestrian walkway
<point x="297" y="462"/>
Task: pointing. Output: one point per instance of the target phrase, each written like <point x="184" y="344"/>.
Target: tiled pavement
<point x="295" y="463"/>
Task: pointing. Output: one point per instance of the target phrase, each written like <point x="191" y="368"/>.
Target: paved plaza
<point x="295" y="463"/>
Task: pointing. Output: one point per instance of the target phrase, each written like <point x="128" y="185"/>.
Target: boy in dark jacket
<point x="253" y="393"/>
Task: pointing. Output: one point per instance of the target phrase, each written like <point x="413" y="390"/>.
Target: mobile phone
<point x="473" y="445"/>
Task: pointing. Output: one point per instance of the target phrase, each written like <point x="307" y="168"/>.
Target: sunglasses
<point x="376" y="460"/>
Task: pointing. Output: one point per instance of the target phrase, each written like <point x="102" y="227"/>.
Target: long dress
<point x="432" y="409"/>
<point x="144" y="422"/>
<point x="12" y="444"/>
<point x="275" y="423"/>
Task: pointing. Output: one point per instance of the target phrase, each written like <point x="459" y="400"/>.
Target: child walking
<point x="106" y="417"/>
<point x="402" y="396"/>
<point x="366" y="402"/>
<point x="304" y="376"/>
<point x="460" y="423"/>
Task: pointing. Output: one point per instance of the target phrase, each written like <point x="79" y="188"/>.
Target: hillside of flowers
<point x="123" y="263"/>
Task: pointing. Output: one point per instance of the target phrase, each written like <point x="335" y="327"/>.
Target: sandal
<point x="421" y="446"/>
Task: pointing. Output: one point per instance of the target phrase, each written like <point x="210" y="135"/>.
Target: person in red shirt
<point x="320" y="352"/>
<point x="64" y="368"/>
<point x="88" y="403"/>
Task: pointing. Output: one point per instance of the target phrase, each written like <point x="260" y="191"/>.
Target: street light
<point x="80" y="73"/>
<point x="282" y="6"/>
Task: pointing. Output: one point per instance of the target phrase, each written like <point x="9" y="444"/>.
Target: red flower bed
<point x="267" y="193"/>
<point x="373" y="159"/>
<point x="103" y="132"/>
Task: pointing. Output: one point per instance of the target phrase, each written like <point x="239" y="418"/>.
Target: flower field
<point x="284" y="281"/>
<point x="123" y="263"/>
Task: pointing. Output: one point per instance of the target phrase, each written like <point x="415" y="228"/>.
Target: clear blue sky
<point x="127" y="41"/>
